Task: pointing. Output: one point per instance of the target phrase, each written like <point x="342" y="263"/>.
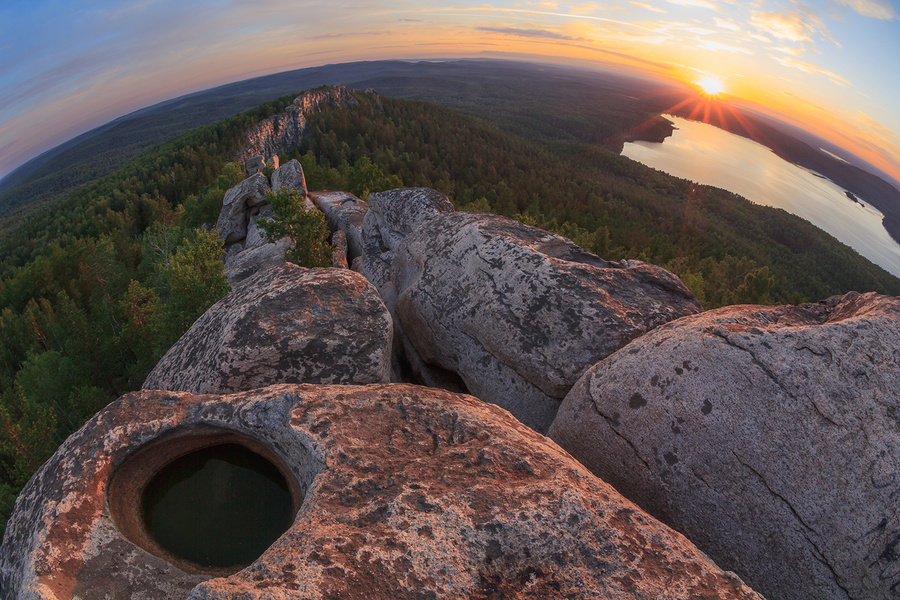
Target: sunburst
<point x="711" y="86"/>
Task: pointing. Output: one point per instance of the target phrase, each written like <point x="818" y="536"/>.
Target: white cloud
<point x="799" y="24"/>
<point x="726" y="24"/>
<point x="716" y="47"/>
<point x="695" y="4"/>
<point x="811" y="69"/>
<point x="876" y="9"/>
<point x="649" y="7"/>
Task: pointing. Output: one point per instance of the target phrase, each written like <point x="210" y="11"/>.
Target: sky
<point x="832" y="66"/>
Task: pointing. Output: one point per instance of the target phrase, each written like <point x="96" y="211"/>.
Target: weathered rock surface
<point x="289" y="176"/>
<point x="393" y="215"/>
<point x="241" y="263"/>
<point x="770" y="436"/>
<point x="344" y="212"/>
<point x="249" y="251"/>
<point x="396" y="213"/>
<point x="239" y="200"/>
<point x="339" y="252"/>
<point x="284" y="132"/>
<point x="256" y="237"/>
<point x="286" y="324"/>
<point x="408" y="493"/>
<point x="519" y="313"/>
<point x="254" y="165"/>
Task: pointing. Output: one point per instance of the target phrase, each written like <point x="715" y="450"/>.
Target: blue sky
<point x="70" y="66"/>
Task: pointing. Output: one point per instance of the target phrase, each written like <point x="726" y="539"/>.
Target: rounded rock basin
<point x="207" y="502"/>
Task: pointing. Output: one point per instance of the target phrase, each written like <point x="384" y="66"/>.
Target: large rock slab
<point x="394" y="214"/>
<point x="408" y="492"/>
<point x="286" y="324"/>
<point x="391" y="216"/>
<point x="770" y="436"/>
<point x="519" y="313"/>
<point x="289" y="176"/>
<point x="242" y="263"/>
<point x="239" y="200"/>
<point x="344" y="212"/>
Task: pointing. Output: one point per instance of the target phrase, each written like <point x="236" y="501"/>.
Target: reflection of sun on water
<point x="711" y="86"/>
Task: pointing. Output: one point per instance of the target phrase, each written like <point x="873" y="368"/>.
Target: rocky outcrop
<point x="239" y="201"/>
<point x="344" y="212"/>
<point x="286" y="324"/>
<point x="242" y="263"/>
<point x="254" y="165"/>
<point x="393" y="215"/>
<point x="519" y="313"/>
<point x="248" y="249"/>
<point x="768" y="435"/>
<point x="284" y="132"/>
<point x="407" y="492"/>
<point x="289" y="176"/>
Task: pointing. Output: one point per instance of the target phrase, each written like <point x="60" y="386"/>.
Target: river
<point x="709" y="155"/>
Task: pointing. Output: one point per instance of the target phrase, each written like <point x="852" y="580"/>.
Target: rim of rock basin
<point x="125" y="494"/>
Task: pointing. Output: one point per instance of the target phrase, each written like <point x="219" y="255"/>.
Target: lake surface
<point x="709" y="155"/>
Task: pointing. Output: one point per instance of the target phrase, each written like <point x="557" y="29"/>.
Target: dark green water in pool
<point x="218" y="507"/>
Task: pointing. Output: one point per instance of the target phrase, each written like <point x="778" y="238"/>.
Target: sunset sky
<point x="70" y="66"/>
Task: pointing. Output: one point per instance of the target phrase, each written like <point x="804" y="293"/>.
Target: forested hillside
<point x="95" y="289"/>
<point x="539" y="102"/>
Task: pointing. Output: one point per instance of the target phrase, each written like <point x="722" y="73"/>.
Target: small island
<point x="853" y="197"/>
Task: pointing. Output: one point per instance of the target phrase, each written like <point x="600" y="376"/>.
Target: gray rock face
<point x="246" y="262"/>
<point x="339" y="253"/>
<point x="393" y="215"/>
<point x="346" y="212"/>
<point x="768" y="435"/>
<point x="234" y="216"/>
<point x="254" y="165"/>
<point x="290" y="176"/>
<point x="249" y="250"/>
<point x="284" y="132"/>
<point x="519" y="313"/>
<point x="256" y="237"/>
<point x="407" y="492"/>
<point x="286" y="324"/>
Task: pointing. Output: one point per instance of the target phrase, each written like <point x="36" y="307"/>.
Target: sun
<point x="711" y="86"/>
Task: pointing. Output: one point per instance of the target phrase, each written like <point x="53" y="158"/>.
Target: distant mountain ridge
<point x="483" y="88"/>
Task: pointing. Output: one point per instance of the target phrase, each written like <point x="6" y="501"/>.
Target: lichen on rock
<point x="409" y="492"/>
<point x="286" y="324"/>
<point x="768" y="435"/>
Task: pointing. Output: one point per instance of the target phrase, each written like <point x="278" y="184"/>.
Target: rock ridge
<point x="284" y="132"/>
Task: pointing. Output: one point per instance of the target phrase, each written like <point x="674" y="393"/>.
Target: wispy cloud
<point x="799" y="24"/>
<point x="726" y="24"/>
<point x="810" y="68"/>
<point x="531" y="33"/>
<point x="329" y="36"/>
<point x="719" y="47"/>
<point x="876" y="9"/>
<point x="694" y="4"/>
<point x="649" y="7"/>
<point x="795" y="52"/>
